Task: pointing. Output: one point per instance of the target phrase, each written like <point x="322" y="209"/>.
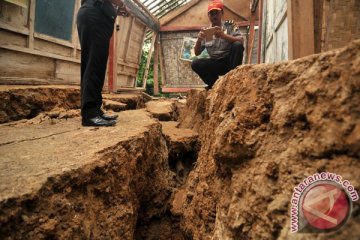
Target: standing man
<point x="225" y="50"/>
<point x="95" y="22"/>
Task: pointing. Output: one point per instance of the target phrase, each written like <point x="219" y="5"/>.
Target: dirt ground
<point x="223" y="166"/>
<point x="19" y="102"/>
<point x="60" y="180"/>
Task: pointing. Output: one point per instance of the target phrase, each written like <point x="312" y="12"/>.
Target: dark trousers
<point x="95" y="31"/>
<point x="209" y="69"/>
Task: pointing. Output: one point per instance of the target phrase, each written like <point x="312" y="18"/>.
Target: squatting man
<point x="225" y="49"/>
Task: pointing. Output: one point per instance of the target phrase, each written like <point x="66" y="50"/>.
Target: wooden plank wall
<point x="28" y="57"/>
<point x="130" y="38"/>
<point x="275" y="31"/>
<point x="307" y="27"/>
<point x="301" y="28"/>
<point x="254" y="50"/>
<point x="289" y="29"/>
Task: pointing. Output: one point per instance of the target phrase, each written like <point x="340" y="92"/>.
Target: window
<point x="55" y="18"/>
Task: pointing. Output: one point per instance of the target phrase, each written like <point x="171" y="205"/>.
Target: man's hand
<point x="219" y="33"/>
<point x="197" y="48"/>
<point x="124" y="11"/>
<point x="201" y="35"/>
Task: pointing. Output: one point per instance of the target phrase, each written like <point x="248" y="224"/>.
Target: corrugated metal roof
<point x="160" y="8"/>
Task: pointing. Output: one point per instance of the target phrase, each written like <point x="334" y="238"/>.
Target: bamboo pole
<point x="146" y="75"/>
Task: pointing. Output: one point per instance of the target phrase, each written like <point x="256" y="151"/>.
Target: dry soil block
<point x="62" y="181"/>
<point x="27" y="102"/>
<point x="114" y="105"/>
<point x="193" y="114"/>
<point x="266" y="128"/>
<point x="164" y="110"/>
<point x="133" y="100"/>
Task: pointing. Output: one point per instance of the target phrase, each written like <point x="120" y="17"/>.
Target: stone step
<point x="164" y="109"/>
<point x="114" y="105"/>
<point x="133" y="100"/>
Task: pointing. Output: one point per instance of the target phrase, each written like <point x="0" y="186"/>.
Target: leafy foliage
<point x="141" y="73"/>
<point x="142" y="69"/>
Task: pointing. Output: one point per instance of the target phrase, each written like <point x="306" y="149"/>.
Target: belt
<point x="98" y="3"/>
<point x="106" y="7"/>
<point x="93" y="2"/>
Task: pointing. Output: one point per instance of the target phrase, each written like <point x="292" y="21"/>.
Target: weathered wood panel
<point x="318" y="17"/>
<point x="254" y="50"/>
<point x="7" y="37"/>
<point x="49" y="47"/>
<point x="13" y="15"/>
<point x="282" y="45"/>
<point x="130" y="38"/>
<point x="22" y="65"/>
<point x="301" y="28"/>
<point x="28" y="57"/>
<point x="275" y="24"/>
<point x="67" y="72"/>
<point x="312" y="25"/>
<point x="59" y="58"/>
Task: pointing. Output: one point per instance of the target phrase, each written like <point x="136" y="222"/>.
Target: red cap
<point x="215" y="5"/>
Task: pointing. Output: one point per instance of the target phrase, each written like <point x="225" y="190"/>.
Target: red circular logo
<point x="326" y="206"/>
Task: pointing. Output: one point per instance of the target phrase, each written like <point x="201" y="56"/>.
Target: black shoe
<point x="98" y="122"/>
<point x="109" y="117"/>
